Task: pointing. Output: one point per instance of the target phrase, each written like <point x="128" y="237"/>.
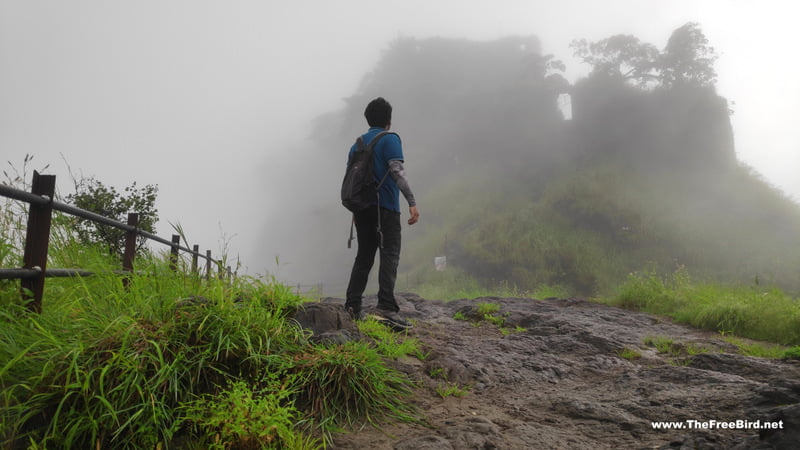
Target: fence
<point x="37" y="240"/>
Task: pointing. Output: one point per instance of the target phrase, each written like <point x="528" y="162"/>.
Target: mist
<point x="242" y="112"/>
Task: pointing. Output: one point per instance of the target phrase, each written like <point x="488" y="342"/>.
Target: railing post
<point x="208" y="264"/>
<point x="195" y="253"/>
<point x="130" y="247"/>
<point x="37" y="240"/>
<point x="173" y="254"/>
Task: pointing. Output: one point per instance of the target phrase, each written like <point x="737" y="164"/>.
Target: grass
<point x="487" y="308"/>
<point x="174" y="360"/>
<point x="445" y="390"/>
<point x="759" y="349"/>
<point x="389" y="343"/>
<point x="629" y="353"/>
<point x="453" y="284"/>
<point x="753" y="312"/>
<point x="517" y="329"/>
<point x="485" y="312"/>
<point x="662" y="344"/>
<point x="341" y="385"/>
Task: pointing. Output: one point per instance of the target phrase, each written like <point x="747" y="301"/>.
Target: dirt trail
<point x="561" y="382"/>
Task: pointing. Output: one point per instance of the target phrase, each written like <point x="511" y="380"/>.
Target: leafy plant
<point x="92" y="195"/>
<point x="241" y="417"/>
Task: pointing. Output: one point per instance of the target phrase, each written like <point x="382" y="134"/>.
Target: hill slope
<point x="512" y="192"/>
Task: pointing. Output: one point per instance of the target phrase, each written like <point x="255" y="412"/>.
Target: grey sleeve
<point x="398" y="174"/>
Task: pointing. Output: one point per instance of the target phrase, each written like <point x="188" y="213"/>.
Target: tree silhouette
<point x="621" y="56"/>
<point x="688" y="59"/>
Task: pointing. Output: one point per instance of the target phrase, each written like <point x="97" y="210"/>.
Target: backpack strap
<point x="378" y="189"/>
<point x="372" y="145"/>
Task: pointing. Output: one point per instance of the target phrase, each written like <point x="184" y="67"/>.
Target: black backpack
<point x="359" y="189"/>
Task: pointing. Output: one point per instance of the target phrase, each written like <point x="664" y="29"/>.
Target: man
<point x="387" y="157"/>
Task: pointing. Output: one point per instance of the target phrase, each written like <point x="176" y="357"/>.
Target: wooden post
<point x="208" y="264"/>
<point x="195" y="253"/>
<point x="173" y="254"/>
<point x="37" y="240"/>
<point x="130" y="247"/>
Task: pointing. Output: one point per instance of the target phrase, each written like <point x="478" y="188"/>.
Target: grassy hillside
<point x="587" y="229"/>
<point x="176" y="361"/>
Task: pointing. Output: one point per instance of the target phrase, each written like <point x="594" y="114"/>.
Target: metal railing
<point x="37" y="241"/>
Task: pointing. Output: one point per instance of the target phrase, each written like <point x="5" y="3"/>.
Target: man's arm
<point x="398" y="174"/>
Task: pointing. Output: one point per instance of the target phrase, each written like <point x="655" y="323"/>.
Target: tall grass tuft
<point x="340" y="385"/>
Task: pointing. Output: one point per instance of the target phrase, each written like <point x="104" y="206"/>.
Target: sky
<point x="197" y="96"/>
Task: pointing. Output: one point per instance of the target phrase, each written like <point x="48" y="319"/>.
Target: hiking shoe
<point x="391" y="319"/>
<point x="355" y="315"/>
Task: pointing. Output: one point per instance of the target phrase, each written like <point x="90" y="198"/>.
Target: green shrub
<point x="240" y="417"/>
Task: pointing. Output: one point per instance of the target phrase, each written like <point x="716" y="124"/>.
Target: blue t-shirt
<point x="387" y="149"/>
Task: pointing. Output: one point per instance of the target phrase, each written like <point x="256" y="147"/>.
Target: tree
<point x="92" y="195"/>
<point x="688" y="59"/>
<point x="621" y="56"/>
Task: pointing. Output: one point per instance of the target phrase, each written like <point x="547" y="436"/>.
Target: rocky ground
<point x="555" y="377"/>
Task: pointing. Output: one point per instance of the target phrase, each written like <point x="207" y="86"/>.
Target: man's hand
<point x="412" y="210"/>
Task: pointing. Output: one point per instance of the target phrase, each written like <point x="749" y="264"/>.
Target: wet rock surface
<point x="553" y="377"/>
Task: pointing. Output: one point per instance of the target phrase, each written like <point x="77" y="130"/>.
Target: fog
<point x="215" y="101"/>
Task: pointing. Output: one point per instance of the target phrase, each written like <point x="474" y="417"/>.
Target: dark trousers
<point x="368" y="243"/>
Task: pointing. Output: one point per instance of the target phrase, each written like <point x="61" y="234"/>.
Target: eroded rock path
<point x="556" y="379"/>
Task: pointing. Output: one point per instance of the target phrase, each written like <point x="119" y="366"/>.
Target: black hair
<point x="378" y="113"/>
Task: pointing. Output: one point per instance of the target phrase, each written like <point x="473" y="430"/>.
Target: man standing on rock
<point x="378" y="226"/>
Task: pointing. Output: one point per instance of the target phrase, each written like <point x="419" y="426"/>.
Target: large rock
<point x="328" y="323"/>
